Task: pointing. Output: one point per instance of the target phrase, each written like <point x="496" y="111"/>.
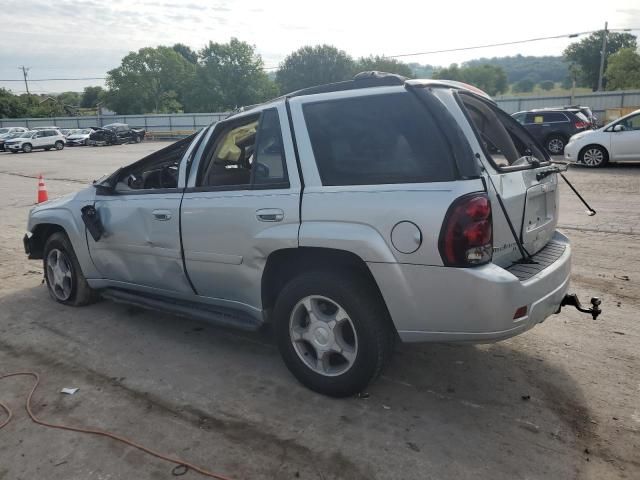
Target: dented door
<point x="141" y="240"/>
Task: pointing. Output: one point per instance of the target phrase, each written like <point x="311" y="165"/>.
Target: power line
<point x="400" y="55"/>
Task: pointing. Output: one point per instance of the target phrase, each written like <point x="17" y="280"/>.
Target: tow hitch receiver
<point x="571" y="299"/>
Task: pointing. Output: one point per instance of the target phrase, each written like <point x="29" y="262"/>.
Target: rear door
<point x="512" y="163"/>
<point x="241" y="203"/>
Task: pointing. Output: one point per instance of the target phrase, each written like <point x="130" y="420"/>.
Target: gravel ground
<point x="561" y="401"/>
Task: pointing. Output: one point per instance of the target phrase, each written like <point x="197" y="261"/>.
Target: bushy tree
<point x="547" y="85"/>
<point x="229" y="75"/>
<point x="489" y="78"/>
<point x="11" y="106"/>
<point x="145" y="79"/>
<point x="384" y="64"/>
<point x="311" y="66"/>
<point x="523" y="86"/>
<point x="69" y="98"/>
<point x="586" y="53"/>
<point x="623" y="71"/>
<point x="189" y="55"/>
<point x="91" y="96"/>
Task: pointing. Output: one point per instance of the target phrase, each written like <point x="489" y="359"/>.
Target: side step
<point x="220" y="316"/>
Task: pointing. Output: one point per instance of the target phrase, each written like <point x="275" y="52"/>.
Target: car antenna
<point x="526" y="257"/>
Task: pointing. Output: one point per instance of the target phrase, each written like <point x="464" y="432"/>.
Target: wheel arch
<point x="39" y="235"/>
<point x="284" y="264"/>
<point x="590" y="145"/>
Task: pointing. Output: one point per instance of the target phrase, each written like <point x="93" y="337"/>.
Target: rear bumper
<point x="440" y="304"/>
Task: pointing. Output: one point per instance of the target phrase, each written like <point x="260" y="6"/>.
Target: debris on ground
<point x="526" y="397"/>
<point x="69" y="391"/>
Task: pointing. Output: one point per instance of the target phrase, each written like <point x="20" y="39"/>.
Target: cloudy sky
<point x="75" y="38"/>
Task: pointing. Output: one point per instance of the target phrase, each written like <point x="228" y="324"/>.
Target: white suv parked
<point x="36" y="139"/>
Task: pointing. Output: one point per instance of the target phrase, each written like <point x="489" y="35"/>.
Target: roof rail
<point x="361" y="80"/>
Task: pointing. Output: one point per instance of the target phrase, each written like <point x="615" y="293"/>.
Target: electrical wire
<point x="92" y="431"/>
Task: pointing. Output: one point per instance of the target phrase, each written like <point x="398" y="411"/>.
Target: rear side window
<point x="379" y="139"/>
<point x="554" y="117"/>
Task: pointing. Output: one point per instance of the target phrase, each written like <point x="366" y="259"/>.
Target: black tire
<point x="593" y="156"/>
<point x="555" y="144"/>
<point x="80" y="292"/>
<point x="27" y="148"/>
<point x="59" y="145"/>
<point x="138" y="139"/>
<point x="367" y="313"/>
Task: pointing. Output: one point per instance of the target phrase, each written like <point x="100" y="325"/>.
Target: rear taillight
<point x="466" y="238"/>
<point x="582" y="125"/>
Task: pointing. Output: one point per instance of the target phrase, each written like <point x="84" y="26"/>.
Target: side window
<point x="229" y="161"/>
<point x="553" y="117"/>
<point x="377" y="139"/>
<point x="519" y="117"/>
<point x="269" y="166"/>
<point x="41" y="133"/>
<point x="632" y="123"/>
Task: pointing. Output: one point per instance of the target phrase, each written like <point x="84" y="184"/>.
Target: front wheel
<point x="555" y="144"/>
<point x="63" y="275"/>
<point x="26" y="148"/>
<point x="333" y="332"/>
<point x="59" y="145"/>
<point x="593" y="156"/>
<point x="138" y="139"/>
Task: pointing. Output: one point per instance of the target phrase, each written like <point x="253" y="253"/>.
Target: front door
<point x="625" y="144"/>
<point x="141" y="220"/>
<point x="241" y="203"/>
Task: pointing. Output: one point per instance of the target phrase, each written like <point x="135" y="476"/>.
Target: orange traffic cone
<point x="42" y="190"/>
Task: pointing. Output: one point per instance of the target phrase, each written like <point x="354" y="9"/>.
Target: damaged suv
<point x="345" y="215"/>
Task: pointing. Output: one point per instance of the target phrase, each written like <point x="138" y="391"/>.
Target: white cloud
<point x="74" y="38"/>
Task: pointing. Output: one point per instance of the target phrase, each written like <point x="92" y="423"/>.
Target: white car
<point x="618" y="141"/>
<point x="79" y="136"/>
<point x="6" y="131"/>
<point x="35" y="139"/>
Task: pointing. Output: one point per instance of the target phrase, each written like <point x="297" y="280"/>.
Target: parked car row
<point x="21" y="139"/>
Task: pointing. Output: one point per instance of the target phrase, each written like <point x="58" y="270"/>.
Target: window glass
<point x="632" y="123"/>
<point x="520" y="117"/>
<point x="269" y="164"/>
<point x="230" y="161"/>
<point x="554" y="117"/>
<point x="378" y="139"/>
<point x="504" y="139"/>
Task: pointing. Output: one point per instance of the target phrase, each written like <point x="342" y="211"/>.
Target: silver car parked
<point x="345" y="215"/>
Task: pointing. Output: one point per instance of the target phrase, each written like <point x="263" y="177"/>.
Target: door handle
<point x="270" y="215"/>
<point x="162" y="215"/>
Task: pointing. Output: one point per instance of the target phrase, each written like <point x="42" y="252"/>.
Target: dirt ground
<point x="559" y="402"/>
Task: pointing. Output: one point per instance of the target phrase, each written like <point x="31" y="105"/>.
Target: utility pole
<point x="603" y="54"/>
<point x="24" y="73"/>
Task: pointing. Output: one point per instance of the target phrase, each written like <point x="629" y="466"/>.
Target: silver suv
<point x="345" y="215"/>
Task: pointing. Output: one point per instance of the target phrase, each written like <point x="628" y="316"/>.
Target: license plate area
<point x="539" y="220"/>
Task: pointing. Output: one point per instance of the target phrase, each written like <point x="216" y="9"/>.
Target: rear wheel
<point x="62" y="273"/>
<point x="593" y="156"/>
<point x="333" y="332"/>
<point x="26" y="148"/>
<point x="555" y="144"/>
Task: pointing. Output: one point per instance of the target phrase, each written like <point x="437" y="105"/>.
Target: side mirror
<point x="619" y="128"/>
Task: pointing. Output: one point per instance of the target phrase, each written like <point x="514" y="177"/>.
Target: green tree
<point x="69" y="98"/>
<point x="11" y="106"/>
<point x="91" y="96"/>
<point x="229" y="75"/>
<point x="145" y="79"/>
<point x="547" y="85"/>
<point x="421" y="71"/>
<point x="489" y="78"/>
<point x="623" y="71"/>
<point x="311" y="66"/>
<point x="188" y="54"/>
<point x="523" y="86"/>
<point x="384" y="64"/>
<point x="586" y="53"/>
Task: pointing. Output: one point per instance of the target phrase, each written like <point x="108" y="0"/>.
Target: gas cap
<point x="406" y="237"/>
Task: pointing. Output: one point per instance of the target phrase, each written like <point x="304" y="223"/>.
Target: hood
<point x="64" y="202"/>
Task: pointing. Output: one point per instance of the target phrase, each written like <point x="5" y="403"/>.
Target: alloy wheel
<point x="556" y="145"/>
<point x="323" y="335"/>
<point x="59" y="274"/>
<point x="593" y="157"/>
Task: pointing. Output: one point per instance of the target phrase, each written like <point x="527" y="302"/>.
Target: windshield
<point x="4" y="130"/>
<point x="15" y="135"/>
